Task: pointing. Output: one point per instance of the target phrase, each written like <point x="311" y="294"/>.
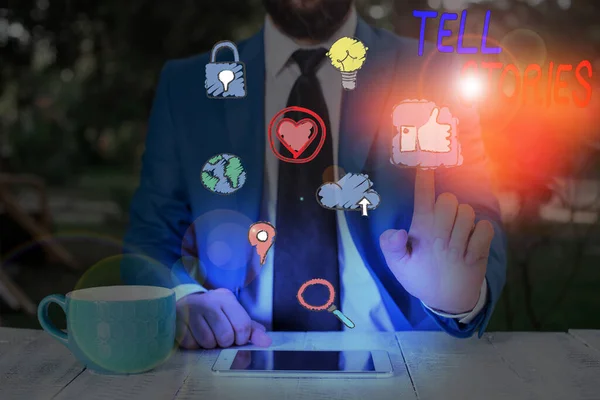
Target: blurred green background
<point x="76" y="83"/>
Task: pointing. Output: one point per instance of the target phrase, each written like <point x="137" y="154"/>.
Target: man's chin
<point x="315" y="20"/>
<point x="305" y="5"/>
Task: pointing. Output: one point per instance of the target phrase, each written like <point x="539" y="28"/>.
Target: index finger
<point x="424" y="192"/>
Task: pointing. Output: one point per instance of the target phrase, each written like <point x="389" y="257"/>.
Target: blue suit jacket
<point x="172" y="214"/>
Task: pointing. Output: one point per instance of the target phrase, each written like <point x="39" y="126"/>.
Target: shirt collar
<point x="279" y="47"/>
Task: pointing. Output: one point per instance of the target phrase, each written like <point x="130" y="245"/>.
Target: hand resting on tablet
<point x="216" y="318"/>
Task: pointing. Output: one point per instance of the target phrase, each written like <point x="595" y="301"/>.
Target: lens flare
<point x="471" y="88"/>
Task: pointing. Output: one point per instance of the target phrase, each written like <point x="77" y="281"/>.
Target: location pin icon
<point x="261" y="236"/>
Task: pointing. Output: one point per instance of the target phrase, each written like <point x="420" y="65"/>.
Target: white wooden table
<point x="428" y="365"/>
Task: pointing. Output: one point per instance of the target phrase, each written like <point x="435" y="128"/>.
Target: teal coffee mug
<point x="116" y="329"/>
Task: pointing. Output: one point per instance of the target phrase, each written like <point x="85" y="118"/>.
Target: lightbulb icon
<point x="225" y="77"/>
<point x="348" y="56"/>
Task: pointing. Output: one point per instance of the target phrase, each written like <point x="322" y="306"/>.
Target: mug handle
<point x="47" y="325"/>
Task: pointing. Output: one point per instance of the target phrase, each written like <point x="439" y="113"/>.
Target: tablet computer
<point x="304" y="363"/>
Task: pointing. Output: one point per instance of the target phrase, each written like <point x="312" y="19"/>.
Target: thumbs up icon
<point x="426" y="135"/>
<point x="433" y="136"/>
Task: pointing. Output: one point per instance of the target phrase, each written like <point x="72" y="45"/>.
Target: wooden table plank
<point x="589" y="337"/>
<point x="37" y="369"/>
<point x="443" y="367"/>
<point x="16" y="335"/>
<point x="162" y="383"/>
<point x="202" y="383"/>
<point x="13" y="337"/>
<point x="521" y="365"/>
<point x="397" y="387"/>
<point x="555" y="365"/>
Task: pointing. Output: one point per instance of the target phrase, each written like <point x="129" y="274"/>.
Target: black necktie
<point x="306" y="243"/>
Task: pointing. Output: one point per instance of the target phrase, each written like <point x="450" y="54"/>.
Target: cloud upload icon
<point x="347" y="193"/>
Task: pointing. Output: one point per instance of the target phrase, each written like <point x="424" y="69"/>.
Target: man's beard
<point x="318" y="21"/>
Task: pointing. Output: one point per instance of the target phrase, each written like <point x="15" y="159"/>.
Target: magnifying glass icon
<point x="329" y="306"/>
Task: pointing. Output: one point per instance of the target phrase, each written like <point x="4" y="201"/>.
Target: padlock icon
<point x="225" y="79"/>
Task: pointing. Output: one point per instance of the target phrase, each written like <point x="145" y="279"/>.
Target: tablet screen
<point x="273" y="360"/>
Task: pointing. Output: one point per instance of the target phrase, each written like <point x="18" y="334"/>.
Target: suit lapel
<point x="244" y="136"/>
<point x="363" y="108"/>
<point x="246" y="126"/>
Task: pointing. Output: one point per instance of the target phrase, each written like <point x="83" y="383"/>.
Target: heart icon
<point x="296" y="136"/>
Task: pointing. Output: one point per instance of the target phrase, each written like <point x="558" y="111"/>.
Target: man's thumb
<point x="393" y="245"/>
<point x="259" y="335"/>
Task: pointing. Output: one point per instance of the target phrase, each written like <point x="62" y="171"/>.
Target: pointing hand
<point x="216" y="318"/>
<point x="442" y="260"/>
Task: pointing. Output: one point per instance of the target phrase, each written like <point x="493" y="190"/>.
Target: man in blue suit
<point x="430" y="257"/>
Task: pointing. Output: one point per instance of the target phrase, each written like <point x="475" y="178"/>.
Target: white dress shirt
<point x="360" y="299"/>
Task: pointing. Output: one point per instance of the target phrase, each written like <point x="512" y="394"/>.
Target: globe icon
<point x="223" y="174"/>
